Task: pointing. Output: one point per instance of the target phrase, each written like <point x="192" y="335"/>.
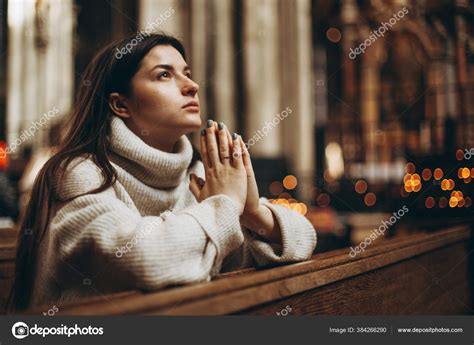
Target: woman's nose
<point x="190" y="88"/>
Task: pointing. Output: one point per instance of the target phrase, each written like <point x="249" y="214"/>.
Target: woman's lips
<point x="192" y="106"/>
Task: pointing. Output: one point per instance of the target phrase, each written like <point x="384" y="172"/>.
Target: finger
<point x="212" y="148"/>
<point x="245" y="154"/>
<point x="229" y="138"/>
<point x="194" y="187"/>
<point x="204" y="153"/>
<point x="236" y="152"/>
<point x="223" y="145"/>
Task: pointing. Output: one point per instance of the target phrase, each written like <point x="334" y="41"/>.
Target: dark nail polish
<point x="203" y="132"/>
<point x="220" y="125"/>
<point x="209" y="123"/>
<point x="234" y="136"/>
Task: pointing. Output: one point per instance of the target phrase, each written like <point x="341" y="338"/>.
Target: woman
<point x="126" y="204"/>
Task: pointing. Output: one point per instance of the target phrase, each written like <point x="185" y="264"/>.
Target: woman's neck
<point x="165" y="142"/>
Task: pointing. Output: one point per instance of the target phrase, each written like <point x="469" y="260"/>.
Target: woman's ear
<point x="117" y="104"/>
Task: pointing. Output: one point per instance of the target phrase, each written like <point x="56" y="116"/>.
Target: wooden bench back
<point x="426" y="273"/>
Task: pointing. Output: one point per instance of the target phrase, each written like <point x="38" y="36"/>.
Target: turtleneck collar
<point x="156" y="168"/>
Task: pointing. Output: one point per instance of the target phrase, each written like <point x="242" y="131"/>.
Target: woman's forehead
<point x="164" y="55"/>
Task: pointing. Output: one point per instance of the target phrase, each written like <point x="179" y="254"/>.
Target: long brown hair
<point x="111" y="70"/>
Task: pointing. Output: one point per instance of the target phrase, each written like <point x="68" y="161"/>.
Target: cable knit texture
<point x="148" y="231"/>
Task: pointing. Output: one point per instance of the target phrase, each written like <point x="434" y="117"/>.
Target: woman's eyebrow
<point x="169" y="67"/>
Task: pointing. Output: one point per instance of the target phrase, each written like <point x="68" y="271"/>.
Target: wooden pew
<point x="426" y="273"/>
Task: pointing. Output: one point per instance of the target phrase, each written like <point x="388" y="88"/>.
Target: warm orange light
<point x="426" y="174"/>
<point x="453" y="202"/>
<point x="447" y="184"/>
<point x="417" y="187"/>
<point x="290" y="182"/>
<point x="361" y="186"/>
<point x="304" y="208"/>
<point x="459" y="155"/>
<point x="403" y="192"/>
<point x="429" y="202"/>
<point x="333" y="34"/>
<point x="465" y="173"/>
<point x="370" y="199"/>
<point x="3" y="156"/>
<point x="438" y="174"/>
<point x="296" y="207"/>
<point x="406" y="178"/>
<point x="410" y="168"/>
<point x="467" y="180"/>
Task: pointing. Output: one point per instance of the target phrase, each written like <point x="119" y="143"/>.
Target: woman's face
<point x="159" y="93"/>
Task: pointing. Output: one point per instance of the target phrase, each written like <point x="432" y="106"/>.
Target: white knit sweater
<point x="148" y="231"/>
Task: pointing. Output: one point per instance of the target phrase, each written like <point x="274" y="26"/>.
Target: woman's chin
<point x="194" y="119"/>
<point x="192" y="123"/>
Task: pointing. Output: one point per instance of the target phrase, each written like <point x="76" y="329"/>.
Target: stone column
<point x="261" y="70"/>
<point x="40" y="72"/>
<point x="224" y="78"/>
<point x="298" y="86"/>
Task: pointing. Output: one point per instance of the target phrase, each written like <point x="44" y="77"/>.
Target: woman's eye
<point x="163" y="74"/>
<point x="189" y="76"/>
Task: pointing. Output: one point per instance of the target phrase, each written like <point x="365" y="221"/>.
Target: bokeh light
<point x="443" y="202"/>
<point x="370" y="199"/>
<point x="290" y="182"/>
<point x="430" y="202"/>
<point x="323" y="200"/>
<point x="410" y="168"/>
<point x="361" y="186"/>
<point x="333" y="34"/>
<point x="426" y="174"/>
<point x="276" y="188"/>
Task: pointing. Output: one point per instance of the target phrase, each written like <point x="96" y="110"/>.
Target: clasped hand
<point x="229" y="171"/>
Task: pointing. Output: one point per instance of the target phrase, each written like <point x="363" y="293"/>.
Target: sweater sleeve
<point x="98" y="236"/>
<point x="298" y="242"/>
<point x="297" y="233"/>
<point x="298" y="239"/>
